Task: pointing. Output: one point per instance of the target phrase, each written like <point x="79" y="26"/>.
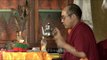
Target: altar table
<point x="25" y="56"/>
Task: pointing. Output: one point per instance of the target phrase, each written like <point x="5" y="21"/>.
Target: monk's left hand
<point x="84" y="58"/>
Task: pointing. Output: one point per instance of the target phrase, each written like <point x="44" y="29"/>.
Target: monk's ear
<point x="73" y="16"/>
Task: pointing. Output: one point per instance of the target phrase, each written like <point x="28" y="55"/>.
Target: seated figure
<point x="21" y="45"/>
<point x="102" y="48"/>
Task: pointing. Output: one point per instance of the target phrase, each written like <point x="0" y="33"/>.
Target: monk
<point x="80" y="43"/>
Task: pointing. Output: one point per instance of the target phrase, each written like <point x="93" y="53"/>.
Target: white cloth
<point x="104" y="4"/>
<point x="85" y="6"/>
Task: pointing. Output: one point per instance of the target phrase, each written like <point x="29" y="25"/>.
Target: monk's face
<point x="67" y="20"/>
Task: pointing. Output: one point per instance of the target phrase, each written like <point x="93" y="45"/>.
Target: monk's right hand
<point x="84" y="58"/>
<point x="56" y="34"/>
<point x="58" y="37"/>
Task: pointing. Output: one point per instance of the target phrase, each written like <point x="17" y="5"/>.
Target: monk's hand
<point x="56" y="34"/>
<point x="85" y="58"/>
<point x="58" y="37"/>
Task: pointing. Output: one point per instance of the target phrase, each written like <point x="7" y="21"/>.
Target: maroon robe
<point x="82" y="38"/>
<point x="102" y="48"/>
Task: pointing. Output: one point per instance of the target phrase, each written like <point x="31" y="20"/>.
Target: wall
<point x="99" y="18"/>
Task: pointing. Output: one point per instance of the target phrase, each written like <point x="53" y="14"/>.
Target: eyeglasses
<point x="64" y="17"/>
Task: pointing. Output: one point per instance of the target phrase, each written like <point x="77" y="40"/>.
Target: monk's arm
<point x="73" y="51"/>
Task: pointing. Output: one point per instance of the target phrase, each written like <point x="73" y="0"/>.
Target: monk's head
<point x="71" y="15"/>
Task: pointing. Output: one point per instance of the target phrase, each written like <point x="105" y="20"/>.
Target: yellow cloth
<point x="26" y="56"/>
